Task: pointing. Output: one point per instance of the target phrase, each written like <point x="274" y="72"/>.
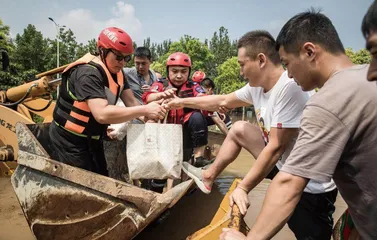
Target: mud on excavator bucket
<point x="64" y="202"/>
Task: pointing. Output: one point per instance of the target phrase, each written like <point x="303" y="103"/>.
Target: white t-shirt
<point x="281" y="107"/>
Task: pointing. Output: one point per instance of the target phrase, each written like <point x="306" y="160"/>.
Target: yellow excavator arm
<point x="20" y="104"/>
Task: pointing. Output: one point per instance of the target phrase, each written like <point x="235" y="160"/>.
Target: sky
<point x="172" y="19"/>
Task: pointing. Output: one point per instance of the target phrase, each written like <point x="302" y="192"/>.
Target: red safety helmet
<point x="115" y="38"/>
<point x="179" y="59"/>
<point x="198" y="76"/>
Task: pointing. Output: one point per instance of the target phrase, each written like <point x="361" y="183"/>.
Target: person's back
<point x="354" y="121"/>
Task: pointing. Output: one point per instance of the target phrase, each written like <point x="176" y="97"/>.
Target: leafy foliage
<point x="229" y="78"/>
<point x="222" y="48"/>
<point x="31" y="50"/>
<point x="198" y="52"/>
<point x="8" y="80"/>
<point x="159" y="67"/>
<point x="5" y="41"/>
<point x="360" y="57"/>
<point x="84" y="49"/>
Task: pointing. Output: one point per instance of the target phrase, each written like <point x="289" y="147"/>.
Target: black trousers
<point x="78" y="151"/>
<point x="195" y="131"/>
<point x="312" y="218"/>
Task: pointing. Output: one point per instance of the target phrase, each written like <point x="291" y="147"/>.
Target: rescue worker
<point x="89" y="91"/>
<point x="198" y="76"/>
<point x="195" y="131"/>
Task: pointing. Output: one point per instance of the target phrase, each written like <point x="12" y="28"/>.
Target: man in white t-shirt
<point x="278" y="102"/>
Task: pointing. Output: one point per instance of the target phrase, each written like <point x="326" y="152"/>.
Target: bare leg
<point x="199" y="151"/>
<point x="136" y="182"/>
<point x="169" y="184"/>
<point x="242" y="135"/>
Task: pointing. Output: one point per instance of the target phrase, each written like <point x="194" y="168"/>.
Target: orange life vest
<point x="75" y="116"/>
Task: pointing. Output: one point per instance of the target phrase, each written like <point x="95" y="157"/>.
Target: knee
<point x="242" y="128"/>
<point x="238" y="129"/>
<point x="197" y="117"/>
<point x="197" y="121"/>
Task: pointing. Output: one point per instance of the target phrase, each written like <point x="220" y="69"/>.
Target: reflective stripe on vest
<point x="77" y="134"/>
<point x="79" y="111"/>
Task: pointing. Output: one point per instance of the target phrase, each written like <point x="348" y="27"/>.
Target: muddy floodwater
<point x="191" y="213"/>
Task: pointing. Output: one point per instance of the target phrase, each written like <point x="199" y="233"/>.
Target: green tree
<point x="8" y="80"/>
<point x="131" y="63"/>
<point x="5" y="42"/>
<point x="31" y="50"/>
<point x="220" y="46"/>
<point x="153" y="50"/>
<point x="198" y="52"/>
<point x="84" y="49"/>
<point x="360" y="57"/>
<point x="163" y="48"/>
<point x="159" y="67"/>
<point x="152" y="47"/>
<point x="229" y="78"/>
<point x="92" y="45"/>
<point x="68" y="49"/>
<point x="222" y="49"/>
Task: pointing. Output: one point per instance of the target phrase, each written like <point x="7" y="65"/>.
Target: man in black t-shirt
<point x="86" y="105"/>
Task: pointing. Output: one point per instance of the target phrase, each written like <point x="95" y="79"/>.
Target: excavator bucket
<point x="64" y="202"/>
<point x="225" y="217"/>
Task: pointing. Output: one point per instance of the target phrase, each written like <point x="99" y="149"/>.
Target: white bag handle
<point x="165" y="118"/>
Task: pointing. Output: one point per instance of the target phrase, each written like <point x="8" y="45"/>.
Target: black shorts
<point x="77" y="151"/>
<point x="312" y="218"/>
<point x="195" y="131"/>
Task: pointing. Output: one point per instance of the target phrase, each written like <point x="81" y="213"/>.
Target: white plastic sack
<point x="120" y="129"/>
<point x="154" y="150"/>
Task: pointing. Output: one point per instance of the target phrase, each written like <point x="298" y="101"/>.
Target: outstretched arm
<point x="108" y="114"/>
<point x="210" y="103"/>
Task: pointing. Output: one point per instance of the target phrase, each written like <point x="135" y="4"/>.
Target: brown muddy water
<point x="191" y="213"/>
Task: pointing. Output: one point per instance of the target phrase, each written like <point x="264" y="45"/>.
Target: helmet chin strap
<point x="103" y="53"/>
